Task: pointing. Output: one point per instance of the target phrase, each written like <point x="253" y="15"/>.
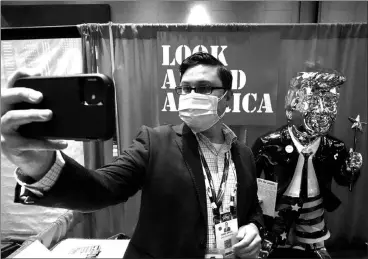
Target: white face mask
<point x="199" y="111"/>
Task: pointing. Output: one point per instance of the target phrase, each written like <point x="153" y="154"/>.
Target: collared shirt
<point x="215" y="160"/>
<point x="47" y="181"/>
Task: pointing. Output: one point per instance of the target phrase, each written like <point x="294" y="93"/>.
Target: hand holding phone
<point x="82" y="107"/>
<point x="36" y="112"/>
<point x="33" y="156"/>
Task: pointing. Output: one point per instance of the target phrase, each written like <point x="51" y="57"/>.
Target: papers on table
<point x="76" y="248"/>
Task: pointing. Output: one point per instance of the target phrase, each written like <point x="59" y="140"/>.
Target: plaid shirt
<point x="215" y="160"/>
<point x="46" y="182"/>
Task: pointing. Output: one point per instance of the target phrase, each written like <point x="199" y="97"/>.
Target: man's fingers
<point x="36" y="144"/>
<point x="13" y="119"/>
<point x="21" y="74"/>
<point x="20" y="94"/>
<point x="241" y="233"/>
<point x="14" y="77"/>
<point x="252" y="248"/>
<point x="245" y="241"/>
<point x="10" y="95"/>
<point x="21" y="144"/>
<point x="16" y="95"/>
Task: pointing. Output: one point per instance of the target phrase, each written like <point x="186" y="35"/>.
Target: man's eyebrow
<point x="204" y="82"/>
<point x="197" y="82"/>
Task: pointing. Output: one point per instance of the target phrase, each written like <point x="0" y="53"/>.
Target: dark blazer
<point x="164" y="163"/>
<point x="279" y="165"/>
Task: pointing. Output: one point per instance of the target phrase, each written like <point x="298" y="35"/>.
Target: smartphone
<point x="83" y="107"/>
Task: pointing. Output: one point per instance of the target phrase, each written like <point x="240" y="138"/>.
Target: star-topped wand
<point x="357" y="126"/>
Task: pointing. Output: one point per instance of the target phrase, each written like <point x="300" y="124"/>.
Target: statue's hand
<point x="266" y="248"/>
<point x="269" y="242"/>
<point x="354" y="161"/>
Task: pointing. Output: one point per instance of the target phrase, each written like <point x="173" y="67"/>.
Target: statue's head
<point x="312" y="99"/>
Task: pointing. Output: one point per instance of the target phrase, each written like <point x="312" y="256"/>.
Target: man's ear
<point x="229" y="99"/>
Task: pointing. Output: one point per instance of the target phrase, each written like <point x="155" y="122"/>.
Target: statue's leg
<point x="311" y="229"/>
<point x="277" y="234"/>
<point x="320" y="250"/>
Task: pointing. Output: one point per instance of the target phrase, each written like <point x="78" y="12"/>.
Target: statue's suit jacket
<point x="279" y="165"/>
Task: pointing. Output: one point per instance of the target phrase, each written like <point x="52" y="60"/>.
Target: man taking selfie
<point x="194" y="177"/>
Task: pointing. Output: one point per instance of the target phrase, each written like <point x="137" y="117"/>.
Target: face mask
<point x="199" y="111"/>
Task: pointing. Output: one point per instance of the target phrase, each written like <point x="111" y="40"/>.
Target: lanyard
<point x="216" y="200"/>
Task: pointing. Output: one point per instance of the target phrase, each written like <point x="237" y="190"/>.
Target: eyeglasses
<point x="199" y="89"/>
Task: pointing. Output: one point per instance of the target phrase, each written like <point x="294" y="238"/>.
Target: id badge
<point x="225" y="236"/>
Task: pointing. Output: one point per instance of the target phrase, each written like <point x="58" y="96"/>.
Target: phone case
<point x="83" y="107"/>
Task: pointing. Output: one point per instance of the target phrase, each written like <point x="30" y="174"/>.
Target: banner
<point x="252" y="58"/>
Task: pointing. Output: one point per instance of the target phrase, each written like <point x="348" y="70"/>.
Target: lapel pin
<point x="289" y="149"/>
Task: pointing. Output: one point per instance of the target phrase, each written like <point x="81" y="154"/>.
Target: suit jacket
<point x="164" y="163"/>
<point x="279" y="165"/>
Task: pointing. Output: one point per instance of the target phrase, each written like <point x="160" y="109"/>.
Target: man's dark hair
<point x="202" y="58"/>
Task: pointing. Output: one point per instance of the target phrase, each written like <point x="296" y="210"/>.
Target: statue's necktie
<point x="304" y="183"/>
